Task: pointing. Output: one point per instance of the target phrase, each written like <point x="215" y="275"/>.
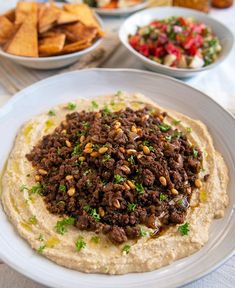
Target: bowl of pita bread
<point x="48" y="35"/>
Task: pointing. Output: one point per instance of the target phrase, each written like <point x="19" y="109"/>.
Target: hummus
<point x="28" y="213"/>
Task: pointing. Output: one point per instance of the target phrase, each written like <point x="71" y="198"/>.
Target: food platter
<point x="166" y="92"/>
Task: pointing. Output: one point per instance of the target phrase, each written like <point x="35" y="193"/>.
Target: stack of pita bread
<point x="43" y="29"/>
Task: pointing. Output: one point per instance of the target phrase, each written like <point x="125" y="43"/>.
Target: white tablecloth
<point x="218" y="84"/>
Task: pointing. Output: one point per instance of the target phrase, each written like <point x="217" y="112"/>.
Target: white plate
<point x="117" y="11"/>
<point x="167" y="92"/>
<point x="146" y="16"/>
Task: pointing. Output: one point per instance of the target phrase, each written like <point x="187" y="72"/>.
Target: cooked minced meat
<point x="112" y="171"/>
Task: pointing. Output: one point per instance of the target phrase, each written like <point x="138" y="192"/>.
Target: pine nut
<point x="131" y="184"/>
<point x="116" y="203"/>
<point x="131" y="151"/>
<point x="95" y="154"/>
<point x="162" y="180"/>
<point x="81" y="158"/>
<point x="68" y="143"/>
<point x="102" y="150"/>
<point x="133" y="129"/>
<point x="122" y="149"/>
<point x="198" y="183"/>
<point x="117" y="125"/>
<point x="88" y="145"/>
<point x="37" y="177"/>
<point x="71" y="191"/>
<point x="69" y="177"/>
<point x="125" y="169"/>
<point x="119" y="130"/>
<point x="82" y="138"/>
<point x="88" y="150"/>
<point x="146" y="150"/>
<point x="64" y="131"/>
<point x="127" y="187"/>
<point x="101" y="212"/>
<point x="174" y="191"/>
<point x="42" y="172"/>
<point x="145" y="117"/>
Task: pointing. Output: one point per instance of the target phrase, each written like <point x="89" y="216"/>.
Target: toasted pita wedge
<point x="10" y="15"/>
<point x="25" y="41"/>
<point x="66" y="18"/>
<point x="23" y="9"/>
<point x="78" y="31"/>
<point x="7" y="29"/>
<point x="84" y="14"/>
<point x="76" y="46"/>
<point x="48" y="16"/>
<point x="51" y="45"/>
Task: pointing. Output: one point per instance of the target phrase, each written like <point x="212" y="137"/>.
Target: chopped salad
<point x="177" y="42"/>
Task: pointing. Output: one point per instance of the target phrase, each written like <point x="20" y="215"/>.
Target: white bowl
<point x="52" y="62"/>
<point x="146" y="16"/>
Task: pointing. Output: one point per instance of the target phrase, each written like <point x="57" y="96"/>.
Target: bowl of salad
<point x="175" y="41"/>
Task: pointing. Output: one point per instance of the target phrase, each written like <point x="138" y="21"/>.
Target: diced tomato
<point x="144" y="49"/>
<point x="159" y="52"/>
<point x="193" y="50"/>
<point x="134" y="40"/>
<point x="188" y="42"/>
<point x="198" y="40"/>
<point x="172" y="49"/>
<point x="155" y="24"/>
<point x="182" y="21"/>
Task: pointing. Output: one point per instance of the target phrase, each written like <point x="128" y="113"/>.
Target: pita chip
<point x="76" y="46"/>
<point x="7" y="29"/>
<point x="48" y="15"/>
<point x="10" y="15"/>
<point x="66" y="18"/>
<point x="79" y="31"/>
<point x="25" y="41"/>
<point x="23" y="9"/>
<point x="51" y="45"/>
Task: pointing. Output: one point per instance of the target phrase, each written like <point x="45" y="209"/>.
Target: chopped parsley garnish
<point x="94" y="104"/>
<point x="80" y="133"/>
<point x="77" y="150"/>
<point x="95" y="215"/>
<point x="176" y="135"/>
<point x="51" y="113"/>
<point x="139" y="188"/>
<point x="176" y="122"/>
<point x="37" y="189"/>
<point x="106" y="157"/>
<point x="62" y="188"/>
<point x="143" y="232"/>
<point x="195" y="153"/>
<point x="80" y="244"/>
<point x="71" y="106"/>
<point x="33" y="220"/>
<point x="41" y="249"/>
<point x="41" y="237"/>
<point x="163" y="197"/>
<point x="164" y="127"/>
<point x="85" y="124"/>
<point x="95" y="239"/>
<point x="131" y="159"/>
<point x="87" y="172"/>
<point x="112" y="103"/>
<point x="184" y="229"/>
<point x="189" y="129"/>
<point x="118" y="93"/>
<point x="118" y="179"/>
<point x="23" y="187"/>
<point x="106" y="110"/>
<point x="126" y="249"/>
<point x="131" y="207"/>
<point x="87" y="208"/>
<point x="61" y="225"/>
<point x="146" y="143"/>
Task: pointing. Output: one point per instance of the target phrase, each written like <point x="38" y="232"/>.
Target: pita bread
<point x="7" y="29"/>
<point x="51" y="45"/>
<point x="25" y="41"/>
<point x="23" y="9"/>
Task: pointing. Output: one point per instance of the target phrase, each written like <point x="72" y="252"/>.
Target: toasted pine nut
<point x="139" y="131"/>
<point x="139" y="155"/>
<point x="161" y="117"/>
<point x="125" y="169"/>
<point x="117" y="124"/>
<point x="131" y="184"/>
<point x="131" y="151"/>
<point x="88" y="145"/>
<point x="37" y="177"/>
<point x="68" y="143"/>
<point x="174" y="191"/>
<point x="82" y="138"/>
<point x="122" y="149"/>
<point x="81" y="158"/>
<point x="95" y="154"/>
<point x="198" y="183"/>
<point x="42" y="172"/>
<point x="101" y="212"/>
<point x="69" y="177"/>
<point x="145" y="117"/>
<point x="71" y="191"/>
<point x="133" y="129"/>
<point x="64" y="123"/>
<point x="162" y="179"/>
<point x="119" y="130"/>
<point x="88" y="150"/>
<point x="146" y="150"/>
<point x="116" y="203"/>
<point x="98" y="115"/>
<point x="127" y="187"/>
<point x="64" y="131"/>
<point x="102" y="150"/>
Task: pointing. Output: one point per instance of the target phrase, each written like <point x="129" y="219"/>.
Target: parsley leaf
<point x="139" y="188"/>
<point x="126" y="249"/>
<point x="118" y="93"/>
<point x="23" y="187"/>
<point x="195" y="153"/>
<point x="87" y="208"/>
<point x="164" y="127"/>
<point x="163" y="197"/>
<point x="51" y="113"/>
<point x="77" y="150"/>
<point x="184" y="229"/>
<point x="131" y="207"/>
<point x="118" y="179"/>
<point x="106" y="157"/>
<point x="143" y="233"/>
<point x="62" y="188"/>
<point x="41" y="237"/>
<point x="71" y="106"/>
<point x="94" y="104"/>
<point x="41" y="249"/>
<point x="176" y="122"/>
<point x="189" y="129"/>
<point x="80" y="244"/>
<point x="106" y="110"/>
<point x="33" y="220"/>
<point x="36" y="189"/>
<point x="94" y="214"/>
<point x="131" y="159"/>
<point x="95" y="239"/>
<point x="61" y="225"/>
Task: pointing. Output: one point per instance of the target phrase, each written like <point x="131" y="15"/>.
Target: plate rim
<point x="4" y="110"/>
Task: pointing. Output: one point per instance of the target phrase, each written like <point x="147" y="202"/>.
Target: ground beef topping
<point x="115" y="171"/>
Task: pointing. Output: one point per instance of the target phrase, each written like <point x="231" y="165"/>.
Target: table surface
<point x="218" y="84"/>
